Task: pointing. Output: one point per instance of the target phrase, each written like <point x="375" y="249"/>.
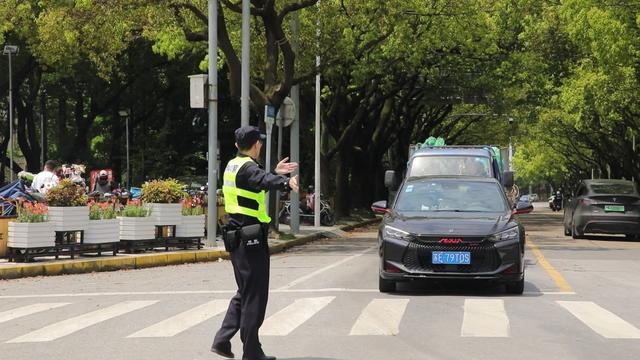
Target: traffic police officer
<point x="245" y="184"/>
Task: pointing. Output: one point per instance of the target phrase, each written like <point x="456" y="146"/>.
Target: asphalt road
<point x="580" y="302"/>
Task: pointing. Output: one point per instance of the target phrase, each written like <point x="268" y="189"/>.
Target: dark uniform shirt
<point x="254" y="178"/>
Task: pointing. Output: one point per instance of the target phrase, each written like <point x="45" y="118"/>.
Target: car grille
<point x="484" y="257"/>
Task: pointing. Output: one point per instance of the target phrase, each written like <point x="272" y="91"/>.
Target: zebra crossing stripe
<point x="28" y="310"/>
<point x="485" y="318"/>
<point x="380" y="317"/>
<point x="72" y="325"/>
<point x="183" y="321"/>
<point x="288" y="319"/>
<point x="601" y="320"/>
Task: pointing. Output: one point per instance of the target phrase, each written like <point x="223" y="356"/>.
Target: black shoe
<point x="222" y="350"/>
<point x="268" y="358"/>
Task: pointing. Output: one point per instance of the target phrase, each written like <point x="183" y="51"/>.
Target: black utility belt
<point x="250" y="236"/>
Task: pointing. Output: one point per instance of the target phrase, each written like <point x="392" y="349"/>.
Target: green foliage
<point x="66" y="193"/>
<point x="102" y="211"/>
<point x="168" y="191"/>
<point x="135" y="210"/>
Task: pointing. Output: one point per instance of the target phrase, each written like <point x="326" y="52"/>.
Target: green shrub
<point x="135" y="211"/>
<point x="66" y="193"/>
<point x="102" y="211"/>
<point x="163" y="191"/>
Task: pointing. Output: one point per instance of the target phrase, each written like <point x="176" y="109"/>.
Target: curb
<point x="143" y="261"/>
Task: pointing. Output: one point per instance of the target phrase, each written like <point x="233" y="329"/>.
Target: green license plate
<point x="614" y="208"/>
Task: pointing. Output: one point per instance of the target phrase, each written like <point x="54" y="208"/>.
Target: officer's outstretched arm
<point x="259" y="179"/>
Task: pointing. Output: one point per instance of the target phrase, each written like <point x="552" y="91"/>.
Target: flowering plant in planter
<point x="68" y="209"/>
<point x="168" y="191"/>
<point x="66" y="193"/>
<point x="135" y="209"/>
<point x="102" y="211"/>
<point x="135" y="222"/>
<point x="163" y="197"/>
<point x="193" y="219"/>
<point x="192" y="207"/>
<point x="31" y="213"/>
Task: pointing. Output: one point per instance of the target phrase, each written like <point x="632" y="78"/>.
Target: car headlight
<point x="511" y="234"/>
<point x="393" y="233"/>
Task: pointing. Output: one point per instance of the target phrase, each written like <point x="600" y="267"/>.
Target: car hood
<point x="460" y="224"/>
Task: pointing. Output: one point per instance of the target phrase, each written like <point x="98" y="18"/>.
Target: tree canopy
<point x="393" y="73"/>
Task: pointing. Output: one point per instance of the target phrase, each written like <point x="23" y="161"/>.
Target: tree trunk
<point x="43" y="129"/>
<point x="62" y="134"/>
<point x="343" y="203"/>
<point x="80" y="146"/>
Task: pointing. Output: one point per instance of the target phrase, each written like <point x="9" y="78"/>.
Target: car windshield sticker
<point x="409" y="188"/>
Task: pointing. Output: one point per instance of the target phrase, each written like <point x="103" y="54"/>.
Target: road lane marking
<point x="70" y="326"/>
<point x="601" y="320"/>
<point x="183" y="321"/>
<point x="28" y="310"/>
<point x="328" y="267"/>
<point x="485" y="318"/>
<point x="380" y="317"/>
<point x="288" y="319"/>
<point x="560" y="281"/>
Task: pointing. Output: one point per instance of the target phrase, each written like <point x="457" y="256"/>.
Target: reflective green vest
<point x="231" y="193"/>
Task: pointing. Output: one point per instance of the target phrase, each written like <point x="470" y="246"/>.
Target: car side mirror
<point x="380" y="207"/>
<point x="390" y="180"/>
<point x="507" y="179"/>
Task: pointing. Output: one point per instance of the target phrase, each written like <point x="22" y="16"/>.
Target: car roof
<point x="444" y="150"/>
<point x="455" y="178"/>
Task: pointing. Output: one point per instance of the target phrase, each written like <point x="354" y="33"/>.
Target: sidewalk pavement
<point x="86" y="264"/>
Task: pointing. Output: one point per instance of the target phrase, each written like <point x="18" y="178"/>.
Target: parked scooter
<point x="307" y="207"/>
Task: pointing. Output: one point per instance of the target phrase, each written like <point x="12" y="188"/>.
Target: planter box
<point x="102" y="231"/>
<point x="72" y="218"/>
<point x="191" y="227"/>
<point x="166" y="214"/>
<point x="137" y="228"/>
<point x="31" y="235"/>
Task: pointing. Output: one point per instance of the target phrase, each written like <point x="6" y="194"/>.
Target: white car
<point x="533" y="197"/>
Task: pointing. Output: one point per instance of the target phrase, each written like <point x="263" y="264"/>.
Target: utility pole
<point x="10" y="50"/>
<point x="317" y="187"/>
<point x="212" y="206"/>
<point x="246" y="46"/>
<point x="294" y="208"/>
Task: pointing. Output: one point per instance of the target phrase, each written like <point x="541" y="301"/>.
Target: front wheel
<point x="516" y="287"/>
<point x="575" y="234"/>
<point x="386" y="286"/>
<point x="327" y="219"/>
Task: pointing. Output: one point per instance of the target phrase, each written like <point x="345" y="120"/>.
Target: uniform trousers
<point x="247" y="307"/>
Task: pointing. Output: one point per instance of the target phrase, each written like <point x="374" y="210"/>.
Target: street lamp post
<point x="125" y="114"/>
<point x="10" y="50"/>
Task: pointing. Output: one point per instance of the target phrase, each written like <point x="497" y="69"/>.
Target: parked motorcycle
<point x="555" y="203"/>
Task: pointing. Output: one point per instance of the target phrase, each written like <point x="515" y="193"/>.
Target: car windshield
<point x="428" y="195"/>
<point x="621" y="188"/>
<point x="450" y="165"/>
